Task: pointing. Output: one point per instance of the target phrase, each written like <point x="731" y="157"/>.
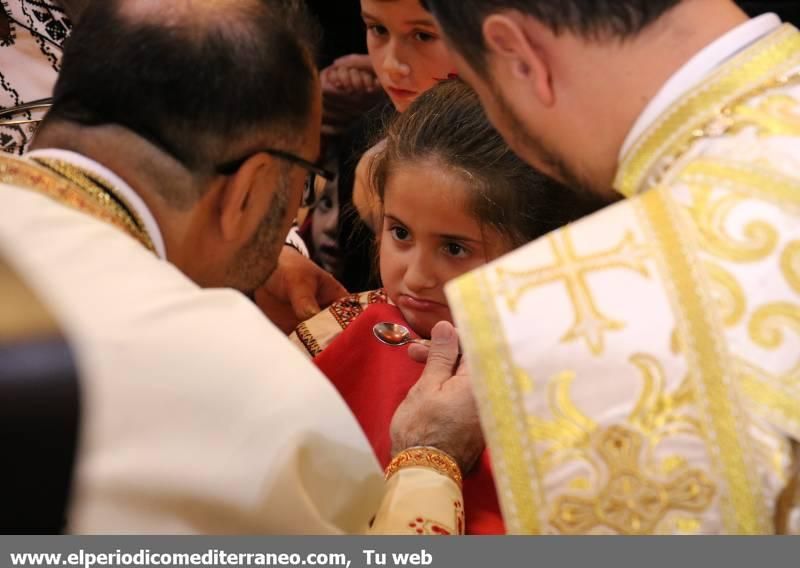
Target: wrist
<point x="427" y="457"/>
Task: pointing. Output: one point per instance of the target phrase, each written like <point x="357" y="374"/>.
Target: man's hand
<point x="296" y="291"/>
<point x="440" y="410"/>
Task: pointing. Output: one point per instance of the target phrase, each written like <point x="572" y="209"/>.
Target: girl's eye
<point x="377" y="30"/>
<point x="399" y="233"/>
<point x="424" y="37"/>
<point x="456" y="250"/>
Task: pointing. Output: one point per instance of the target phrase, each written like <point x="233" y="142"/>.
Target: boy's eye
<point x="424" y="37"/>
<point x="456" y="250"/>
<point x="399" y="233"/>
<point x="377" y="30"/>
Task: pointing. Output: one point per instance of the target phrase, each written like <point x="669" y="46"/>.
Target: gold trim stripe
<point x="502" y="411"/>
<point x="707" y="357"/>
<point x="773" y="402"/>
<point x="85" y="198"/>
<point x="745" y="178"/>
<point x="769" y="58"/>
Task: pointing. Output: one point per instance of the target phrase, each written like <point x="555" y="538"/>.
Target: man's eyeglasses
<point x="309" y="193"/>
<point x="41" y="104"/>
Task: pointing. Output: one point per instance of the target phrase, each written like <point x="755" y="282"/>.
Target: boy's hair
<point x="448" y="124"/>
<point x="462" y="20"/>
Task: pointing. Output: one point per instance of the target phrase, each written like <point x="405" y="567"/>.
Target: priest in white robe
<point x="147" y="199"/>
<point x="638" y="372"/>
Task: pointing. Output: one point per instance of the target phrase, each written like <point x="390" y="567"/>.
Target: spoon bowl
<point x="395" y="335"/>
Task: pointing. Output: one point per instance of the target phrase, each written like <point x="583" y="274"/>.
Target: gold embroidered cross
<point x="572" y="269"/>
<point x="630" y="503"/>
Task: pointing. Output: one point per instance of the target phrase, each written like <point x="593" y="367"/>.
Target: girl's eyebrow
<point x="443" y="236"/>
<point x="459" y="238"/>
<point x="391" y="217"/>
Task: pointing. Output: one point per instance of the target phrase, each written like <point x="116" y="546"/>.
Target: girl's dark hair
<point x="448" y="124"/>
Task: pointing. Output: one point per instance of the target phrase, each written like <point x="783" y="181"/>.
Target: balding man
<point x="164" y="178"/>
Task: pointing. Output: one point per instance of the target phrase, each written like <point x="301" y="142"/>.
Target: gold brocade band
<point x="78" y="192"/>
<point x="706" y="353"/>
<point x="706" y="111"/>
<point x="424" y="456"/>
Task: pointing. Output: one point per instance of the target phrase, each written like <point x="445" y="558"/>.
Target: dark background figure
<point x="39" y="412"/>
<point x="788" y="10"/>
<point x="343" y="32"/>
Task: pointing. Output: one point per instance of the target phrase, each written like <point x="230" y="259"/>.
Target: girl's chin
<point x="422" y="326"/>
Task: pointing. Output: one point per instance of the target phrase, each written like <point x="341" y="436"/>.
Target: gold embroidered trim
<point x="572" y="269"/>
<point x="744" y="178"/>
<point x="705" y="111"/>
<point x="724" y="421"/>
<point x="33" y="177"/>
<point x="428" y="457"/>
<point x="776" y="398"/>
<point x="631" y="502"/>
<point x="504" y="417"/>
<point x="103" y="192"/>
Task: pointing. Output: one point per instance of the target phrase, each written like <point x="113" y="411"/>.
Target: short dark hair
<point x="197" y="85"/>
<point x="462" y="20"/>
<point x="448" y="124"/>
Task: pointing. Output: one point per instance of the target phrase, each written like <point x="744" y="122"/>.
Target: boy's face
<point x="428" y="238"/>
<point x="406" y="48"/>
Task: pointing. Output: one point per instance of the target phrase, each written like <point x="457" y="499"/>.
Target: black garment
<point x="343" y="30"/>
<point x="358" y="269"/>
<point x="788" y="10"/>
<point x="39" y="417"/>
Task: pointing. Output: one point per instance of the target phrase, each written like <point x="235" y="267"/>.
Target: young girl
<point x="453" y="197"/>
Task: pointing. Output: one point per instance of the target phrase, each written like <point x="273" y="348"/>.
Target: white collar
<point x="697" y="69"/>
<point x="126" y="191"/>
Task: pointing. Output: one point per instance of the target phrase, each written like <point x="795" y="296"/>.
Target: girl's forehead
<point x="427" y="193"/>
<point x="426" y="179"/>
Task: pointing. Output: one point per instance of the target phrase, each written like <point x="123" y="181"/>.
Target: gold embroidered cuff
<point x="424" y="456"/>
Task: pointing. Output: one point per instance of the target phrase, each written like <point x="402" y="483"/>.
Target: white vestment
<point x="638" y="372"/>
<point x="198" y="416"/>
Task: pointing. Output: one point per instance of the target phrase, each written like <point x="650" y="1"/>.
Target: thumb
<point x="442" y="357"/>
<point x="329" y="290"/>
<point x="302" y="296"/>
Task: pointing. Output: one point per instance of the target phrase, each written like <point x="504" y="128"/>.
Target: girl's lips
<point x="419" y="304"/>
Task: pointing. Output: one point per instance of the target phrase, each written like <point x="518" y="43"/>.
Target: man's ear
<point x="245" y="195"/>
<point x="520" y="58"/>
